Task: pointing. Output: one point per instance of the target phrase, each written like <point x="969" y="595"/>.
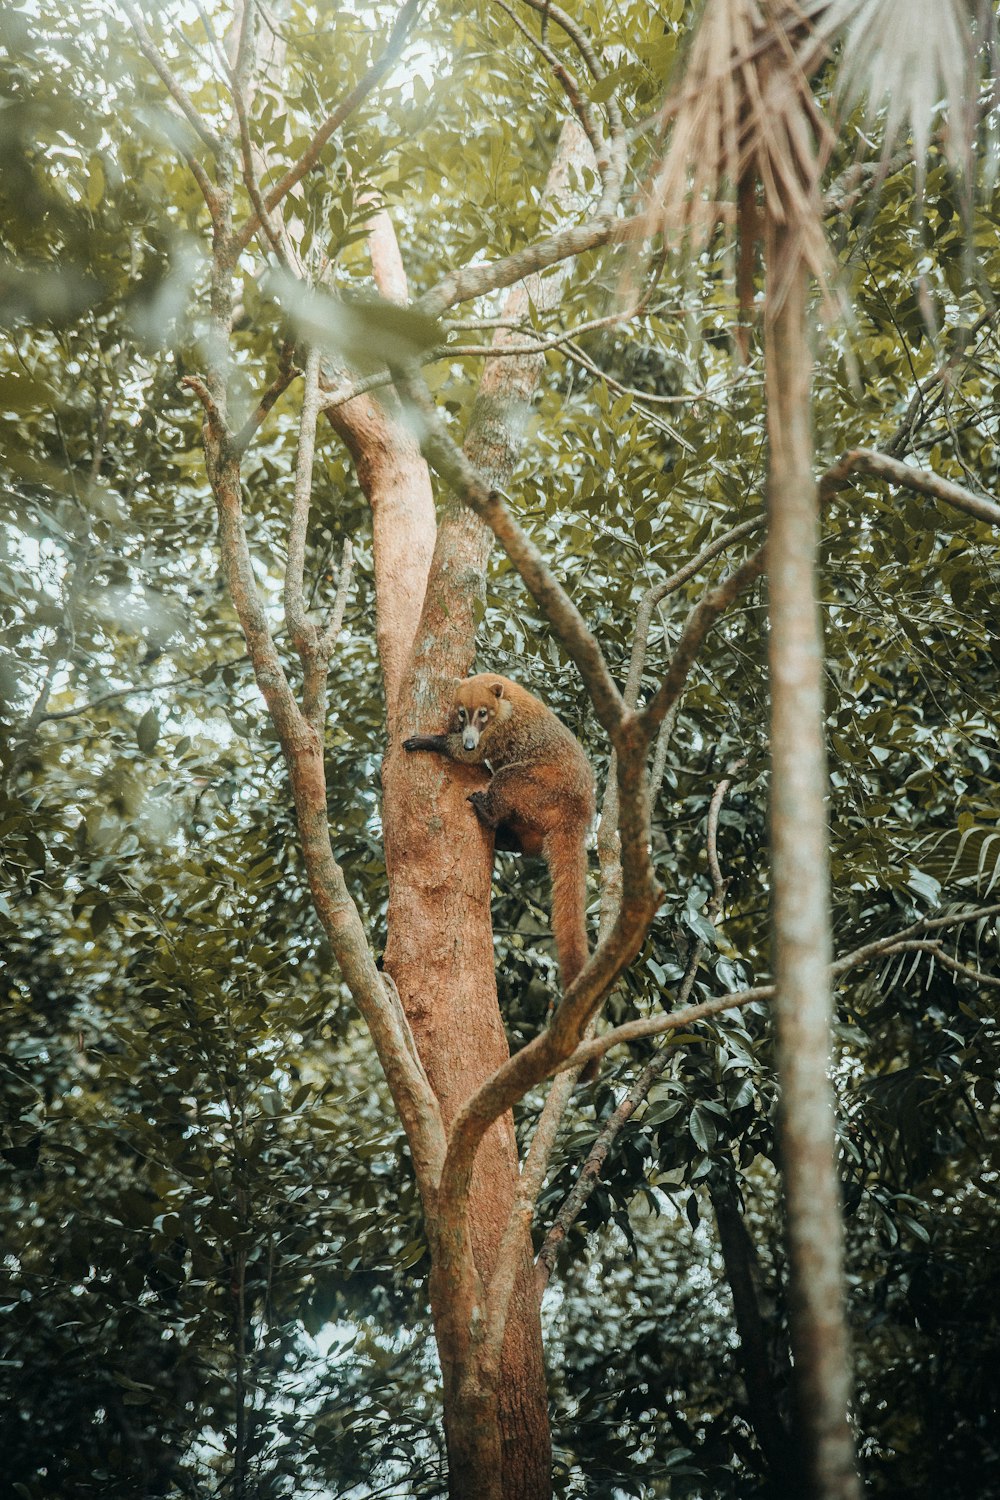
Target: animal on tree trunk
<point x="540" y="799"/>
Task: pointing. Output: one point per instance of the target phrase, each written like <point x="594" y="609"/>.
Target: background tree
<point x="201" y="1168"/>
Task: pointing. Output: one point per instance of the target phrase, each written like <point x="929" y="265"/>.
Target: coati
<point x="541" y="795"/>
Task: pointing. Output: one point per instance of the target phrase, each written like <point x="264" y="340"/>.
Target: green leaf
<point x="148" y="731"/>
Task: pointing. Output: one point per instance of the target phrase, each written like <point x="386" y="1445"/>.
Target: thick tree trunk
<point x="800" y="887"/>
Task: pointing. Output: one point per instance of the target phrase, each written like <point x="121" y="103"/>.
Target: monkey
<point x="540" y="798"/>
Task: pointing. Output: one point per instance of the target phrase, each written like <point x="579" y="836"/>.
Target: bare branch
<point x="450" y="462"/>
<point x="250" y="182"/>
<point x="344" y="110"/>
<point x="571" y="88"/>
<point x="591" y="1170"/>
<point x="476" y="281"/>
<point x="901" y="943"/>
<point x="328" y="639"/>
<point x="214" y="420"/>
<point x="939" y="381"/>
<point x="712" y="837"/>
<point x="881" y="466"/>
<point x="576" y="34"/>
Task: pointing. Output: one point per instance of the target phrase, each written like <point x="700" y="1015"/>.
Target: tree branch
<point x="696" y="627"/>
<point x="615" y="179"/>
<point x="882" y="466"/>
<point x="901" y="943"/>
<point x="570" y="87"/>
<point x="344" y="110"/>
<point x="469" y="282"/>
<point x="448" y="460"/>
<point x="300" y="627"/>
<point x="287" y="372"/>
<point x="591" y="1170"/>
<point x="174" y="88"/>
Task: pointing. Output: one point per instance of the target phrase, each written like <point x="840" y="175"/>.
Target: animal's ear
<point x="496" y="688"/>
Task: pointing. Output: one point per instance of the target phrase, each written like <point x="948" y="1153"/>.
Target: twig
<point x="616" y="177"/>
<point x="656" y="1025"/>
<point x="591" y="1170"/>
<point x="696" y="627"/>
<point x="287" y="373"/>
<point x="570" y="87"/>
<point x="331" y="631"/>
<point x="469" y="282"/>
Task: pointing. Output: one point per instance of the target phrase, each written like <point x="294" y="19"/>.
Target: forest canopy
<point x="219" y="1255"/>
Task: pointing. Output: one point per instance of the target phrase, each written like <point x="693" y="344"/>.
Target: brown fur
<point x="540" y="798"/>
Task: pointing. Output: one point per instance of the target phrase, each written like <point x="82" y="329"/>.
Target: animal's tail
<point x="566" y="856"/>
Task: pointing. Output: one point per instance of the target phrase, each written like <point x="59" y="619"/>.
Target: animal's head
<point x="480" y="704"/>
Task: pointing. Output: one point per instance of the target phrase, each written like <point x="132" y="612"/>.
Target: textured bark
<point x="395" y="480"/>
<point x="800" y="885"/>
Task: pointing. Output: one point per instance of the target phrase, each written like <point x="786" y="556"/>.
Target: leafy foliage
<point x="213" y="1273"/>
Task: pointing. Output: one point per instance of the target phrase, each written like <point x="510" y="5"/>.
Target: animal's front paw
<point x="413" y="743"/>
<point x="481" y="807"/>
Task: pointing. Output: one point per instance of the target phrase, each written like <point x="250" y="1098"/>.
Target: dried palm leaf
<point x="745" y="114"/>
<point x="910" y="59"/>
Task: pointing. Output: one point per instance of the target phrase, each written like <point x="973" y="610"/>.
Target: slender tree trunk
<point x="756" y="1357"/>
<point x="800" y="881"/>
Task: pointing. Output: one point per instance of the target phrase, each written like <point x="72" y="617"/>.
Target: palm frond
<point x="911" y="59"/>
<point x="745" y="112"/>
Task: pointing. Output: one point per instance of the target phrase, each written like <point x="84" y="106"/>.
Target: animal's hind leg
<point x="507" y="797"/>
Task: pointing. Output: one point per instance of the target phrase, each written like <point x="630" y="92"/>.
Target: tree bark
<point x="800" y="888"/>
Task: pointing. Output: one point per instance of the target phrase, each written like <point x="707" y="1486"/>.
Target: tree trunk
<point x="756" y="1357"/>
<point x="439" y="861"/>
<point x="800" y="888"/>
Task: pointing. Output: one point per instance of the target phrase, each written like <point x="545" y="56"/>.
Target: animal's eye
<point x="461" y="715"/>
<point x="483" y="714"/>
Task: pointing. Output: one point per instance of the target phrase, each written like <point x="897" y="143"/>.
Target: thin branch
<point x="712" y="838"/>
<point x="571" y="88"/>
<point x="331" y="631"/>
<point x="568" y="624"/>
<point x="174" y="87"/>
<point x="656" y="1025"/>
<point x="590" y="1172"/>
<point x="469" y="282"/>
<point x="131" y="692"/>
<point x="659" y="591"/>
<point x="263" y="217"/>
<point x="578" y="37"/>
<point x="287" y="372"/>
<point x="213" y="416"/>
<point x="696" y="627"/>
<point x="301" y="628"/>
<point x="407" y="14"/>
<point x="903" y="435"/>
<point x="881" y="946"/>
<point x="881" y="466"/>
